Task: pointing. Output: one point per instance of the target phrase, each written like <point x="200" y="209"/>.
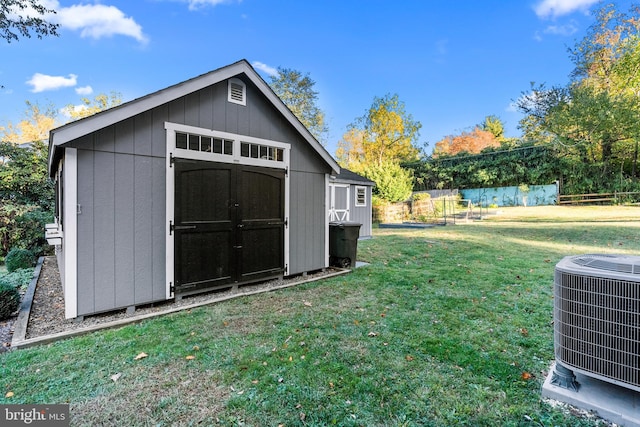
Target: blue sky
<point x="451" y="62"/>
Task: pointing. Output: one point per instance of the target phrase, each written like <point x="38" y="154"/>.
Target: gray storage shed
<point x="206" y="184"/>
<point x="350" y="200"/>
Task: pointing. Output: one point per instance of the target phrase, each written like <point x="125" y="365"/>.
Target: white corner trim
<point x="170" y="212"/>
<point x="70" y="229"/>
<point x="327" y="207"/>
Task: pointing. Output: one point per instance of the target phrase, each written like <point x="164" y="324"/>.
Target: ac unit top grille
<point x="627" y="264"/>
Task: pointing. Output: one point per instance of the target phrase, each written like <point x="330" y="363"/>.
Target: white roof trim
<point x="77" y="129"/>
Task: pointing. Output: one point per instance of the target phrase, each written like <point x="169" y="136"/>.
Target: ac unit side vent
<point x="597" y="321"/>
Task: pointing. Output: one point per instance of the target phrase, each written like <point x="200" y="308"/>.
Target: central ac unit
<point x="597" y="319"/>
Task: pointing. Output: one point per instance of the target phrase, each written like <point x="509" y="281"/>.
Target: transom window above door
<point x="206" y="144"/>
<point x="190" y="142"/>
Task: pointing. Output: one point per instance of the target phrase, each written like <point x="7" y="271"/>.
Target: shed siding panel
<point x="219" y="104"/>
<point x="105" y="139"/>
<point x="192" y="109"/>
<point x="124" y="230"/>
<point x="142" y="129"/>
<point x="158" y="133"/>
<point x="124" y="137"/>
<point x="205" y="108"/>
<point x="85" y="233"/>
<point x="307" y="214"/>
<point x="361" y="214"/>
<point x="143" y="233"/>
<point x="104" y="230"/>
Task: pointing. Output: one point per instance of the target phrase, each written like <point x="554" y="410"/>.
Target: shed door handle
<point x="184" y="227"/>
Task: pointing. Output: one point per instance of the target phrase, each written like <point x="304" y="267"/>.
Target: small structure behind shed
<point x="207" y="184"/>
<point x="350" y="200"/>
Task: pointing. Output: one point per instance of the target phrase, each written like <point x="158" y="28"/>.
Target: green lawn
<point x="447" y="326"/>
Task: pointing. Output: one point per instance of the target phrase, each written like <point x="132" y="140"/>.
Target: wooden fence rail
<point x="568" y="199"/>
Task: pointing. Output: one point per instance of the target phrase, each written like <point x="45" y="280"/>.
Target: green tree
<point x="493" y="124"/>
<point x="386" y="133"/>
<point x="21" y="18"/>
<point x="298" y="94"/>
<point x="393" y="183"/>
<point x="595" y="118"/>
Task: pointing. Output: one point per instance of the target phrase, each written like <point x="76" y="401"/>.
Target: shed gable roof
<point x="347" y="176"/>
<point x="71" y="131"/>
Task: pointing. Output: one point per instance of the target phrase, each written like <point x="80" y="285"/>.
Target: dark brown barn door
<point x="261" y="222"/>
<point x="229" y="224"/>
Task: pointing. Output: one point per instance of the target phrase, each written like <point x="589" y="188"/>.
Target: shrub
<point x="17" y="279"/>
<point x="19" y="258"/>
<point x="9" y="300"/>
<point x="23" y="226"/>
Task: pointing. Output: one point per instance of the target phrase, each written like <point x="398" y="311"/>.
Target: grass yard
<point x="447" y="326"/>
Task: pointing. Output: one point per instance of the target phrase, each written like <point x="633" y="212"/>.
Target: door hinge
<point x="171" y="227"/>
<point x="286" y="222"/>
<point x="172" y="159"/>
<point x="172" y="288"/>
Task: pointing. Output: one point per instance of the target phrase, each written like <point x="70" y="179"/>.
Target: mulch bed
<point x="47" y="308"/>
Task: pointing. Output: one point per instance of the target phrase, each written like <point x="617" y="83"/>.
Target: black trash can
<point x="343" y="243"/>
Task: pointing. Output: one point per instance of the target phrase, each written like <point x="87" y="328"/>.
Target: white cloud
<point x="555" y="8"/>
<point x="198" y="4"/>
<point x="95" y="20"/>
<point x="43" y="82"/>
<point x="562" y="30"/>
<point x="84" y="90"/>
<point x="265" y="68"/>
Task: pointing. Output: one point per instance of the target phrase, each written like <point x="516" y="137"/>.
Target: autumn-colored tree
<point x="386" y="133"/>
<point x="595" y="118"/>
<point x="88" y="107"/>
<point x="468" y="142"/>
<point x="35" y="126"/>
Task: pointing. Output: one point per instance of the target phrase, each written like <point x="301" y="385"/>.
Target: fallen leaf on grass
<point x="526" y="376"/>
<point x="524" y="332"/>
<point x="116" y="377"/>
<point x="409" y="358"/>
<point x="141" y="356"/>
<point x="372" y="334"/>
<point x="307" y="304"/>
<point x="196" y="348"/>
<point x="190" y="357"/>
<point x="9" y="394"/>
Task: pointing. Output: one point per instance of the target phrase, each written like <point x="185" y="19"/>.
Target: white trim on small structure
<point x="361" y="189"/>
<point x="70" y="230"/>
<point x="343" y="214"/>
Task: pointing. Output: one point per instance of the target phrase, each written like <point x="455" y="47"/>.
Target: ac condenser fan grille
<point x="597" y="322"/>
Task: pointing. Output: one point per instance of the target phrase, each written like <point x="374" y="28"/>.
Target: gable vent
<point x="237" y="92"/>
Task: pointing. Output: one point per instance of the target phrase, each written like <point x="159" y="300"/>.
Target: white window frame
<point x="364" y="190"/>
<point x="235" y="158"/>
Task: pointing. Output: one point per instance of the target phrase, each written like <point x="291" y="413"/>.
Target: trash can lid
<point x="345" y="224"/>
